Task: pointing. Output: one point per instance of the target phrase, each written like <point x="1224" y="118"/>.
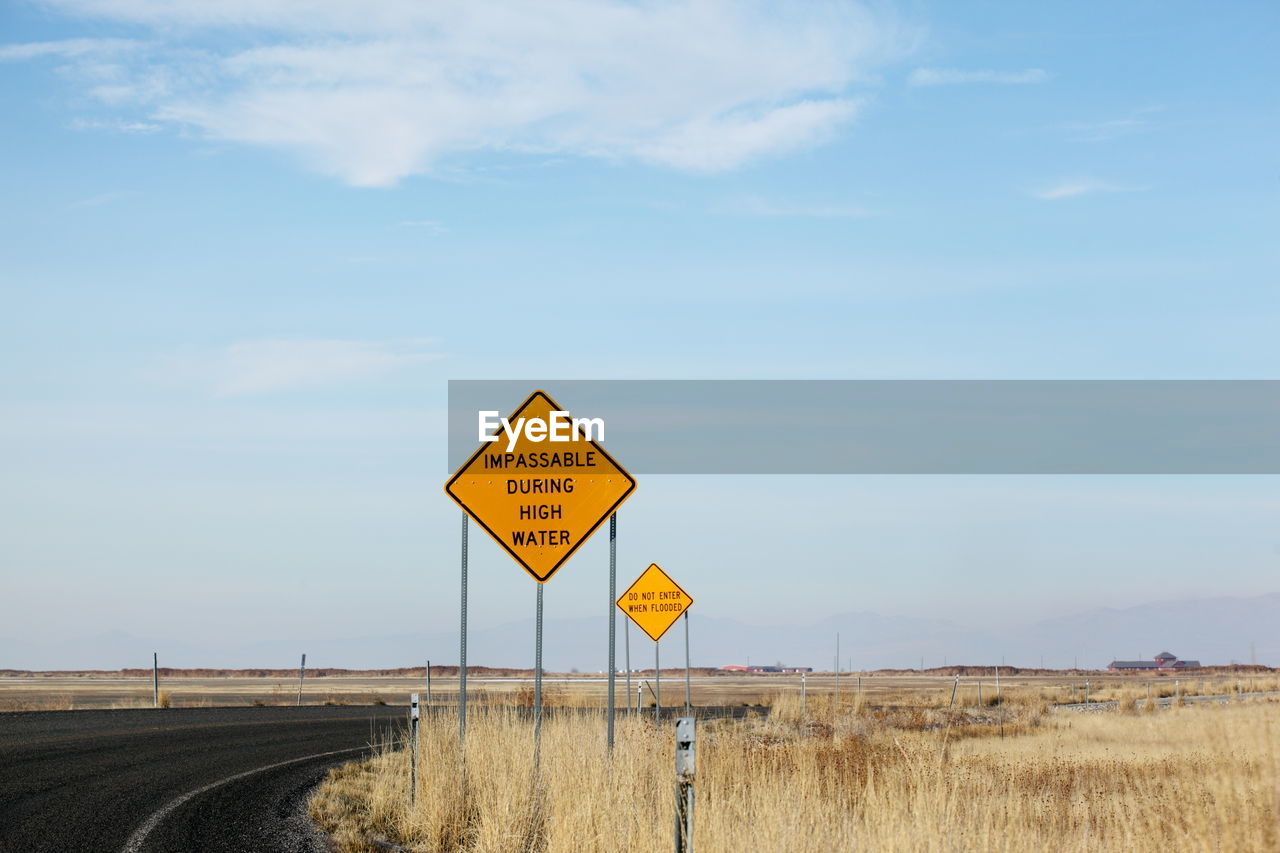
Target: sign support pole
<point x="155" y="679"/>
<point x="302" y="671"/>
<point x="613" y="627"/>
<point x="428" y="683"/>
<point x="462" y="651"/>
<point x="657" y="680"/>
<point x="537" y="683"/>
<point x="627" y="638"/>
<point x="688" y="689"/>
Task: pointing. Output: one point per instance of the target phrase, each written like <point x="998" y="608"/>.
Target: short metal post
<point x="688" y="689"/>
<point x="462" y="650"/>
<point x="954" y="686"/>
<point x="686" y="765"/>
<point x="613" y="628"/>
<point x="155" y="679"/>
<point x="626" y="628"/>
<point x="428" y="684"/>
<point x="639" y="696"/>
<point x="997" y="685"/>
<point x="1086" y="693"/>
<point x="302" y="671"/>
<point x="803" y="696"/>
<point x="979" y="692"/>
<point x="413" y="747"/>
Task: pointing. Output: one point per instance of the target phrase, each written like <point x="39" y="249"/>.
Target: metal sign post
<point x="803" y="695"/>
<point x="537" y="682"/>
<point x="302" y="671"/>
<point x="462" y="651"/>
<point x="413" y="747"/>
<point x="657" y="684"/>
<point x="686" y="766"/>
<point x="155" y="679"/>
<point x="428" y="684"/>
<point x="688" y="689"/>
<point x="954" y="685"/>
<point x="613" y="627"/>
<point x="626" y="628"/>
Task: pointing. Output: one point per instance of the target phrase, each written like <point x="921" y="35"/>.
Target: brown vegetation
<point x="911" y="777"/>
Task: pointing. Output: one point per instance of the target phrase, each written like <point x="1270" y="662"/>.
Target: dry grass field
<point x="911" y="777"/>
<point x="56" y="691"/>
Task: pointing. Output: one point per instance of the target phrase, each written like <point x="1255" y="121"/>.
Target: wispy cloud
<point x="102" y="199"/>
<point x="756" y="206"/>
<point x="1104" y="131"/>
<point x="115" y="126"/>
<point x="64" y="49"/>
<point x="373" y="94"/>
<point x="1082" y="186"/>
<point x="250" y="368"/>
<point x="430" y="225"/>
<point x="951" y="76"/>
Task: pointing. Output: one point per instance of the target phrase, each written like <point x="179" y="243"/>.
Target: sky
<point x="244" y="244"/>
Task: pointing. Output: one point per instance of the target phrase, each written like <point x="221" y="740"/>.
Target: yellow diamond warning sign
<point x="654" y="602"/>
<point x="540" y="492"/>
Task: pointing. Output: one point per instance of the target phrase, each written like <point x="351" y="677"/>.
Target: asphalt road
<point x="228" y="780"/>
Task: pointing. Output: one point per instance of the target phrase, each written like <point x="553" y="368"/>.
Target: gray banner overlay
<point x="906" y="427"/>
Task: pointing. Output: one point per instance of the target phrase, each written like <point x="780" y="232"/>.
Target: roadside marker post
<point x="540" y="502"/>
<point x="302" y="671"/>
<point x="803" y="697"/>
<point x="413" y="747"/>
<point x="155" y="679"/>
<point x="428" y="683"/>
<point x="835" y="693"/>
<point x="954" y="685"/>
<point x="686" y="766"/>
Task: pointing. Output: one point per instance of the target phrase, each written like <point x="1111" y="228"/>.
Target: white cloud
<point x="64" y="49"/>
<point x="1105" y="131"/>
<point x="430" y="225"/>
<point x="248" y="368"/>
<point x="373" y="93"/>
<point x="116" y="126"/>
<point x="949" y="76"/>
<point x="1082" y="186"/>
<point x="756" y="206"/>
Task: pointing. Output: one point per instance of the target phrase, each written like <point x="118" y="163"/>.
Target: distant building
<point x="1162" y="661"/>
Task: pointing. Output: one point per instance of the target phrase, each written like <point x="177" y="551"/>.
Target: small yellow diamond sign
<point x="654" y="602"/>
<point x="540" y="499"/>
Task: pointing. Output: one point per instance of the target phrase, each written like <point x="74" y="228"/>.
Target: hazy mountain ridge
<point x="1216" y="630"/>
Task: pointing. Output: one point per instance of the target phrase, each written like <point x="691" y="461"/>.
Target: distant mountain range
<point x="1212" y="630"/>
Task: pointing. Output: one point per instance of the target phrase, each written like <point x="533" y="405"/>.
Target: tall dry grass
<point x="927" y="779"/>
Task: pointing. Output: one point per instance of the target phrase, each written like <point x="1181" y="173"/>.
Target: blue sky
<point x="243" y="245"/>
